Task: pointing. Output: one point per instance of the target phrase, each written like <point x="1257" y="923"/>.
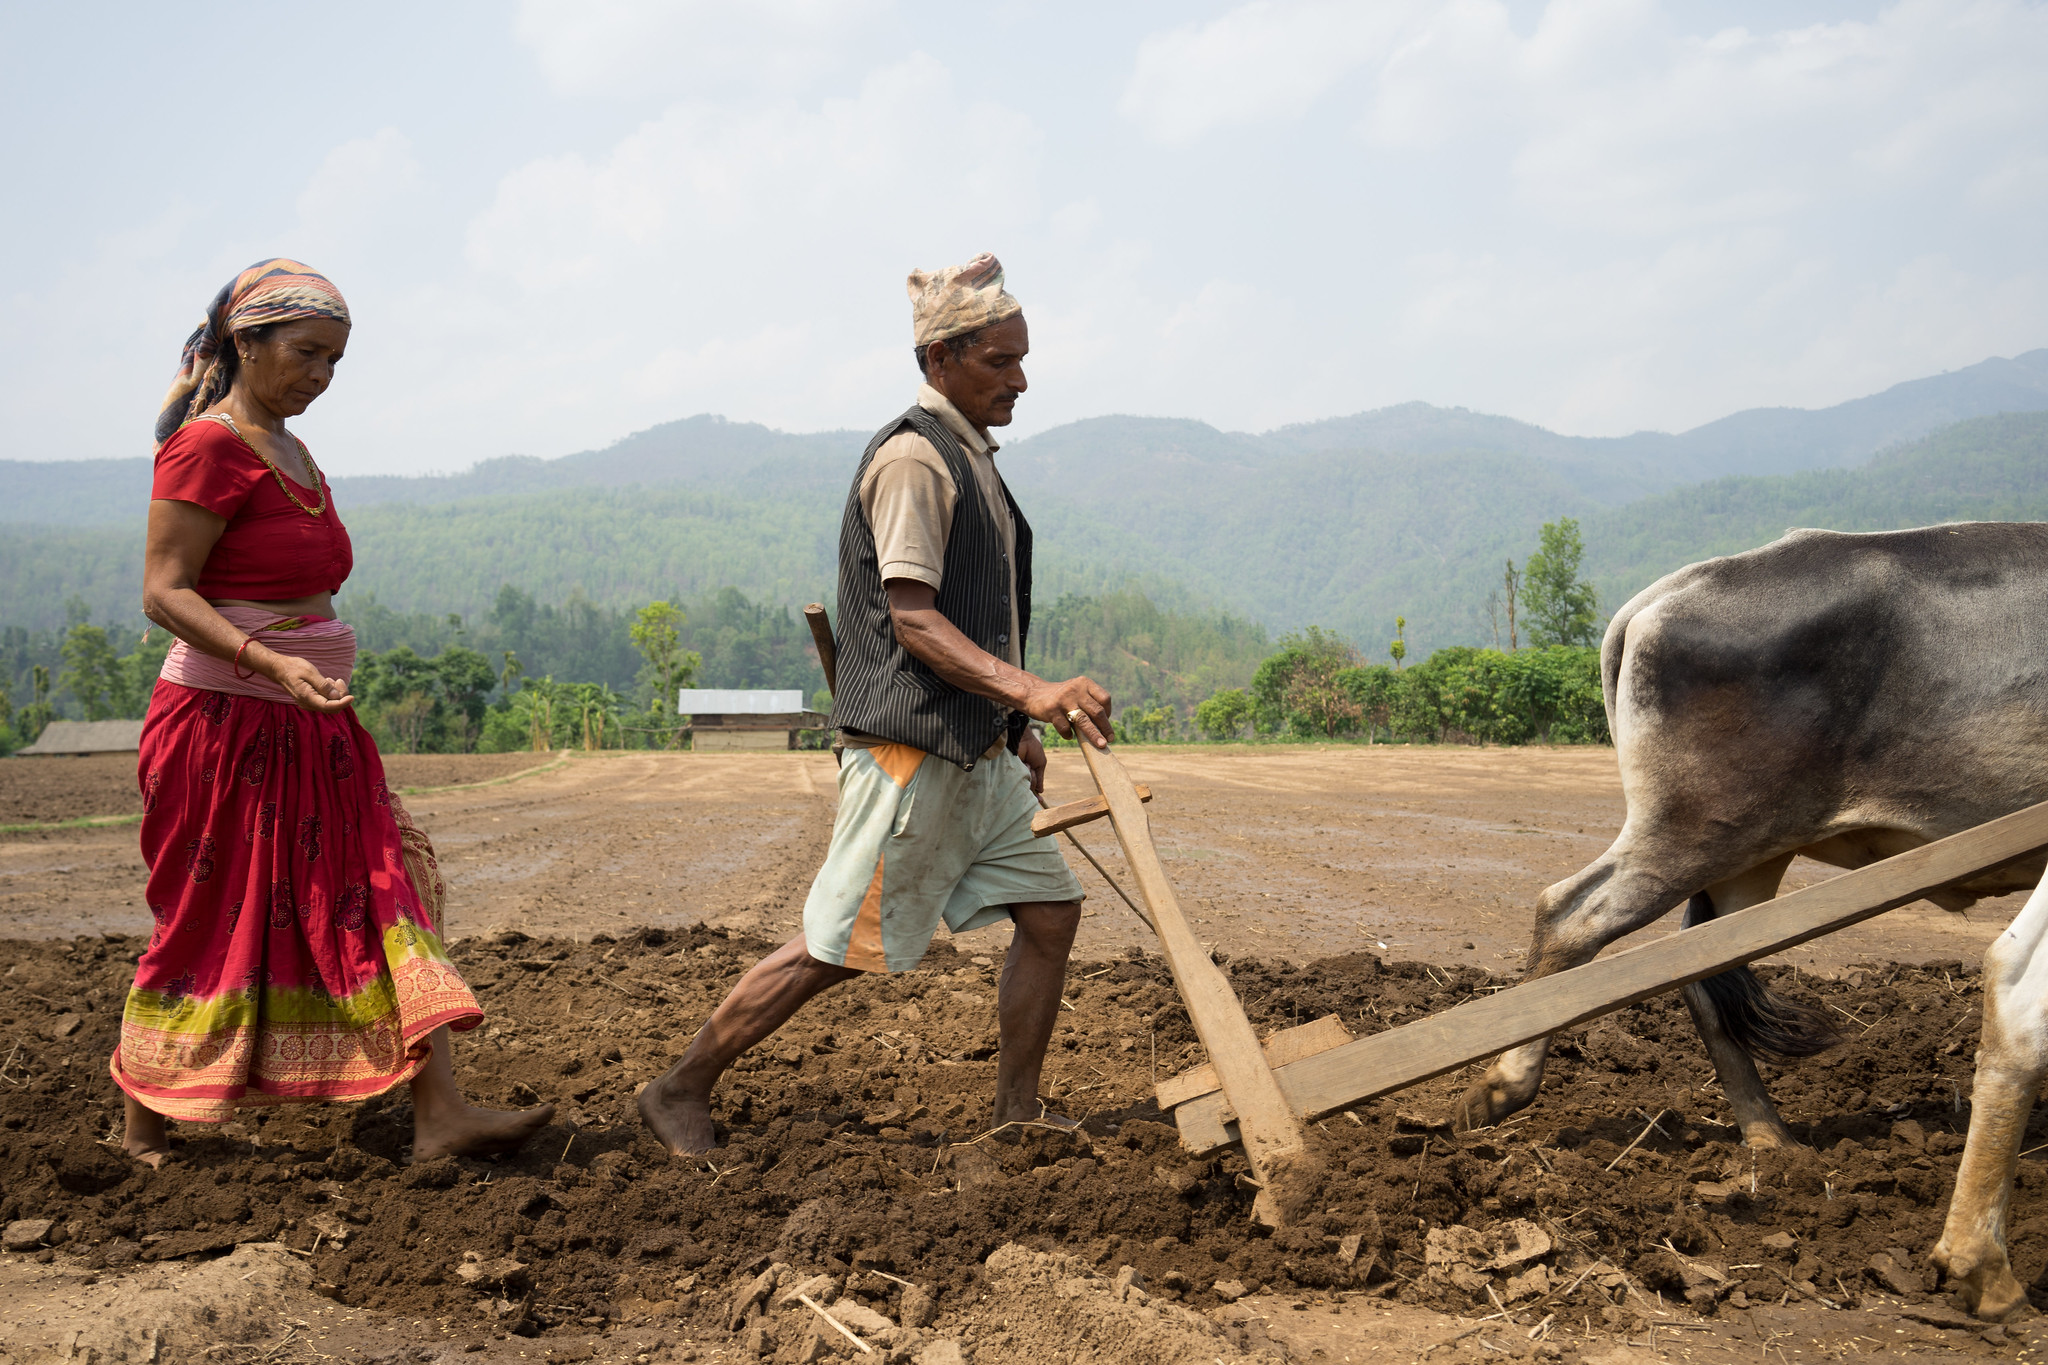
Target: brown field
<point x="1381" y="884"/>
<point x="1276" y="852"/>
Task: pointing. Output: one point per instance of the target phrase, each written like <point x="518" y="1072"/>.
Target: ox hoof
<point x="1988" y="1289"/>
<point x="1767" y="1137"/>
<point x="1483" y="1106"/>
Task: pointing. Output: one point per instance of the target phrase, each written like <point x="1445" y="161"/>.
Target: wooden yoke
<point x="1266" y="1124"/>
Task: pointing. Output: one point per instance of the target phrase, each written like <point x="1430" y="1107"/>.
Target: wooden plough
<point x="1260" y="1095"/>
<point x="1266" y="1124"/>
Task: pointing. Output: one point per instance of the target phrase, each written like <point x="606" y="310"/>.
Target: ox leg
<point x="1617" y="893"/>
<point x="2012" y="1059"/>
<point x="1754" y="1113"/>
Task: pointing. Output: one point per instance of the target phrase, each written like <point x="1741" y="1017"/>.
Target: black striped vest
<point x="886" y="691"/>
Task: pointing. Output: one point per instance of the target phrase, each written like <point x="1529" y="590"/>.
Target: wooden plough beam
<point x="1344" y="1075"/>
<point x="1265" y="1123"/>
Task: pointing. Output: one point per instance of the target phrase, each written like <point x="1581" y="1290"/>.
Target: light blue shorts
<point x="917" y="841"/>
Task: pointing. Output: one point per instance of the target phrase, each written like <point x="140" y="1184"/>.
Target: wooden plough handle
<point x="1054" y="819"/>
<point x="1269" y="1129"/>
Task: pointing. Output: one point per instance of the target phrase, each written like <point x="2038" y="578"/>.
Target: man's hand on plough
<point x="1077" y="708"/>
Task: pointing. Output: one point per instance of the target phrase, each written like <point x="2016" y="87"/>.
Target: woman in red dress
<point x="297" y="952"/>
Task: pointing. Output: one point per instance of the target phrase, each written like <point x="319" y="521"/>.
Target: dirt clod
<point x="25" y="1234"/>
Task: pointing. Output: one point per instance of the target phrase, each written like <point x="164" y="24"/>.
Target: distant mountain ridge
<point x="1338" y="538"/>
<point x="1118" y="456"/>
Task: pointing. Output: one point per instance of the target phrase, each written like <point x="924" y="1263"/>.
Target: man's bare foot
<point x="1036" y="1114"/>
<point x="470" y="1131"/>
<point x="681" y="1119"/>
<point x="147" y="1138"/>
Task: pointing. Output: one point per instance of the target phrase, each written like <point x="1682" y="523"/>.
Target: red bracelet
<point x="237" y="664"/>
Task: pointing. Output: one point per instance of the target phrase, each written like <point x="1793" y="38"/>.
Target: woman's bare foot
<point x="148" y="1138"/>
<point x="680" y="1118"/>
<point x="469" y="1131"/>
<point x="446" y="1124"/>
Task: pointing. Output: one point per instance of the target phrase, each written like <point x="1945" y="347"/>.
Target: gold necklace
<point x="283" y="483"/>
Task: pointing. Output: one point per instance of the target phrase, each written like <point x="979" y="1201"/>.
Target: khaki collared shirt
<point x="908" y="495"/>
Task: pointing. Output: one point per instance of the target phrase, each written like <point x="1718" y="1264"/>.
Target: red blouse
<point x="271" y="551"/>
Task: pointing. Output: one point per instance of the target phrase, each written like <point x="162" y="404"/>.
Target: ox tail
<point x="1762" y="1024"/>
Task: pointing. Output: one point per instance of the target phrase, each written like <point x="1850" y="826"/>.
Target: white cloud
<point x="359" y="182"/>
<point x="1076" y="221"/>
<point x="1672" y="223"/>
<point x="1595" y="214"/>
<point x="636" y="47"/>
<point x="1261" y="62"/>
<point x="1616" y="118"/>
<point x="715" y="245"/>
<point x="700" y="178"/>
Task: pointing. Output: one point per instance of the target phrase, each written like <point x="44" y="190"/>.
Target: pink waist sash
<point x="329" y="646"/>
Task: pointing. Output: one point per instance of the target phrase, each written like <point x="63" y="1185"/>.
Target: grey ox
<point x="1845" y="697"/>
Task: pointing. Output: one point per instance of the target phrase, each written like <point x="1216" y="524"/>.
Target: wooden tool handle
<point x="1271" y="1132"/>
<point x="828" y="649"/>
<point x="1054" y="819"/>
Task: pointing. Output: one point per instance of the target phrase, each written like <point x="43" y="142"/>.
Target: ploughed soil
<point x="1621" y="1207"/>
<point x="46" y="790"/>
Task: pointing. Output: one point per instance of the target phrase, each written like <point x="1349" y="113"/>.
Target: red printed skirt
<point x="297" y="953"/>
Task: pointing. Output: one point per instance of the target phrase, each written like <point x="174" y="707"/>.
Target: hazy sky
<point x="563" y="220"/>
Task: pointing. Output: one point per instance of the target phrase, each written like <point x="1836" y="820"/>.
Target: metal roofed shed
<point x="724" y="720"/>
<point x="82" y="737"/>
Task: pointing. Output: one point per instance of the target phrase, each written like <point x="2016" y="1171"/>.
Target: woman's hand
<point x="309" y="687"/>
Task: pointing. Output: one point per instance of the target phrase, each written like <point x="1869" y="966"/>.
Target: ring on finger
<point x="1074" y="714"/>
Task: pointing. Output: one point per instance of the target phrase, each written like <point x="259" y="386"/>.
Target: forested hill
<point x="1342" y="539"/>
<point x="1131" y="456"/>
<point x="1988" y="469"/>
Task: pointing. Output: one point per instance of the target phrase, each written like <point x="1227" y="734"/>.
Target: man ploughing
<point x="941" y="769"/>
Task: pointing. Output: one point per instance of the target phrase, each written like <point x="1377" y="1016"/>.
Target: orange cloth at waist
<point x="328" y="645"/>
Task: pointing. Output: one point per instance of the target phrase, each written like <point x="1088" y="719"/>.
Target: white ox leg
<point x="2012" y="1059"/>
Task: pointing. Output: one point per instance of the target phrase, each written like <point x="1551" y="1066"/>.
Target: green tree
<point x="1562" y="608"/>
<point x="1224" y="713"/>
<point x="1374" y="688"/>
<point x="657" y="632"/>
<point x="92" y="671"/>
<point x="32" y="719"/>
<point x="536" y="705"/>
<point x="597" y="710"/>
<point x="1316" y="700"/>
<point x="422" y="705"/>
<point x="406" y="720"/>
<point x="1398" y="646"/>
<point x="1512" y="582"/>
<point x="1483" y="696"/>
<point x="1323" y="651"/>
<point x="464" y="680"/>
<point x="133" y="679"/>
<point x="1153" y="721"/>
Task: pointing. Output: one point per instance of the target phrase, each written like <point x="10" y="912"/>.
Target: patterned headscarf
<point x="960" y="298"/>
<point x="276" y="290"/>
